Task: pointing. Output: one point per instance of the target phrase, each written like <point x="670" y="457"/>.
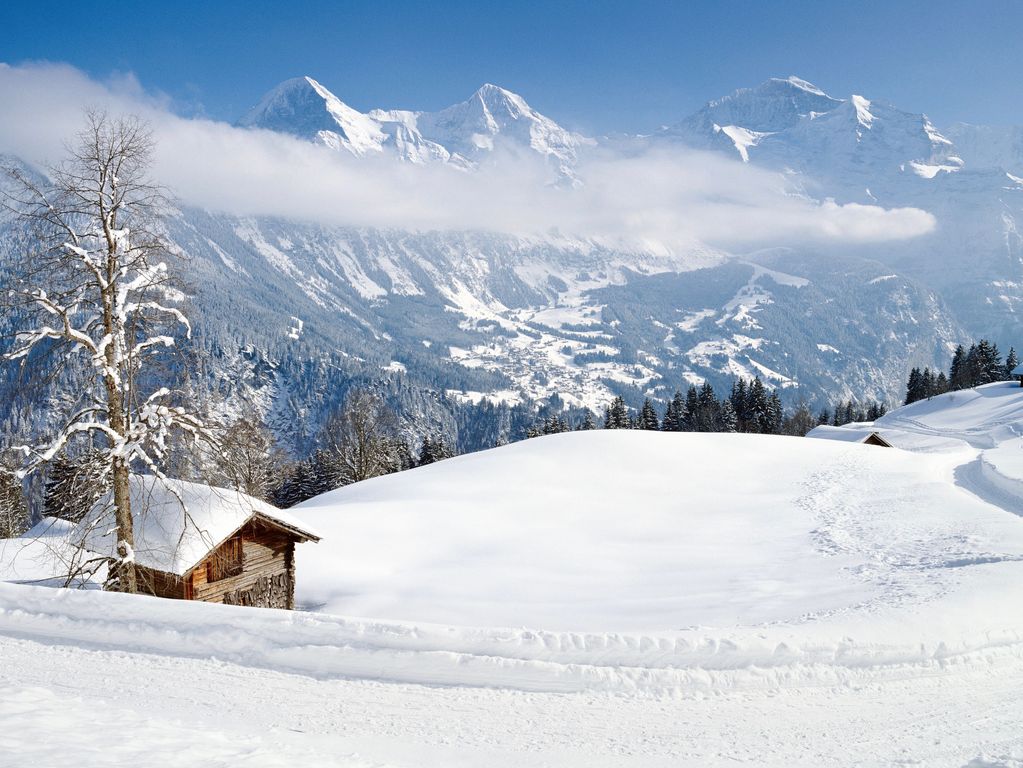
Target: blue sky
<point x="594" y="66"/>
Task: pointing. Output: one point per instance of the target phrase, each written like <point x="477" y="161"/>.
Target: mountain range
<point x="453" y="324"/>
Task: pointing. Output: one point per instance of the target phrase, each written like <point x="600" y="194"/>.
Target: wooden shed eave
<point x="300" y="536"/>
<point x="298" y="533"/>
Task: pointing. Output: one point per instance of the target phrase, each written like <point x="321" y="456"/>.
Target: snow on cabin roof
<point x="852" y="434"/>
<point x="1017" y="371"/>
<point x="174" y="537"/>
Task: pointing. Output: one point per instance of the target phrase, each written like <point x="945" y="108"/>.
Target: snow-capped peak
<point x="304" y="108"/>
<point x="774" y="105"/>
<point x="474" y="125"/>
<point x="492" y="94"/>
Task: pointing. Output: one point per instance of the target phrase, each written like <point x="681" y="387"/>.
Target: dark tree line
<point x="848" y="411"/>
<point x="749" y="407"/>
<point x="981" y="364"/>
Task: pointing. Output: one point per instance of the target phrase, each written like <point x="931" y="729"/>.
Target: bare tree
<point x="248" y="458"/>
<point x="361" y="441"/>
<point x="97" y="288"/>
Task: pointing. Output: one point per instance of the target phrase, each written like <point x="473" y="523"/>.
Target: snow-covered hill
<point x="603" y="598"/>
<point x="586" y="534"/>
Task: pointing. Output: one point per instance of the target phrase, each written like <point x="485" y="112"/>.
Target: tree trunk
<point x="127" y="579"/>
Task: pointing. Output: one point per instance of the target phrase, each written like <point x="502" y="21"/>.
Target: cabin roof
<point x="1017" y="371"/>
<point x="856" y="433"/>
<point x="178" y="523"/>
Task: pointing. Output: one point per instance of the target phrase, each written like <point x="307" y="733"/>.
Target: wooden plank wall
<point x="265" y="555"/>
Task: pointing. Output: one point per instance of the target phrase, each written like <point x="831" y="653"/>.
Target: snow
<point x="743" y="138"/>
<point x="44" y="555"/>
<point x="609" y="598"/>
<point x="929" y="171"/>
<point x="843" y="434"/>
<point x="984" y="417"/>
<point x="556" y="547"/>
<point x="863" y="114"/>
<point x="881" y="279"/>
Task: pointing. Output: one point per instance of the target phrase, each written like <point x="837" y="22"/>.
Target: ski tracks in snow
<point x="906" y="559"/>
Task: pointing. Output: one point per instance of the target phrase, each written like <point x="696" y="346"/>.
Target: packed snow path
<point x="65" y="706"/>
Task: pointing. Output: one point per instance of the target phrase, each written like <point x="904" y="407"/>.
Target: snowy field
<point x="588" y="599"/>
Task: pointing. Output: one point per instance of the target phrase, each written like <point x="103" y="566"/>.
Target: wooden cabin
<point x="849" y="434"/>
<point x="197" y="542"/>
<point x="254" y="566"/>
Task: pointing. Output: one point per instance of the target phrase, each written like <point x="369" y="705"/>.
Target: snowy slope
<point x="583" y="531"/>
<point x="602" y="598"/>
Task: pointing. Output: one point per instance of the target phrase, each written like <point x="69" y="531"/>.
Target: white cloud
<point x="671" y="197"/>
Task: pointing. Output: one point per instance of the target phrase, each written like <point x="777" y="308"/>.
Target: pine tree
<point x="1010" y="364"/>
<point x="740" y="404"/>
<point x="691" y="416"/>
<point x="729" y="421"/>
<point x="648" y="417"/>
<point x="775" y="415"/>
<point x="709" y="410"/>
<point x="957" y="372"/>
<point x="971" y="368"/>
<point x="434" y="450"/>
<point x="927" y="383"/>
<point x="588" y="422"/>
<point x="757" y="415"/>
<point x="617" y="416"/>
<point x="914" y="386"/>
<point x="672" y="421"/>
<point x="989" y="363"/>
<point x="850" y="413"/>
